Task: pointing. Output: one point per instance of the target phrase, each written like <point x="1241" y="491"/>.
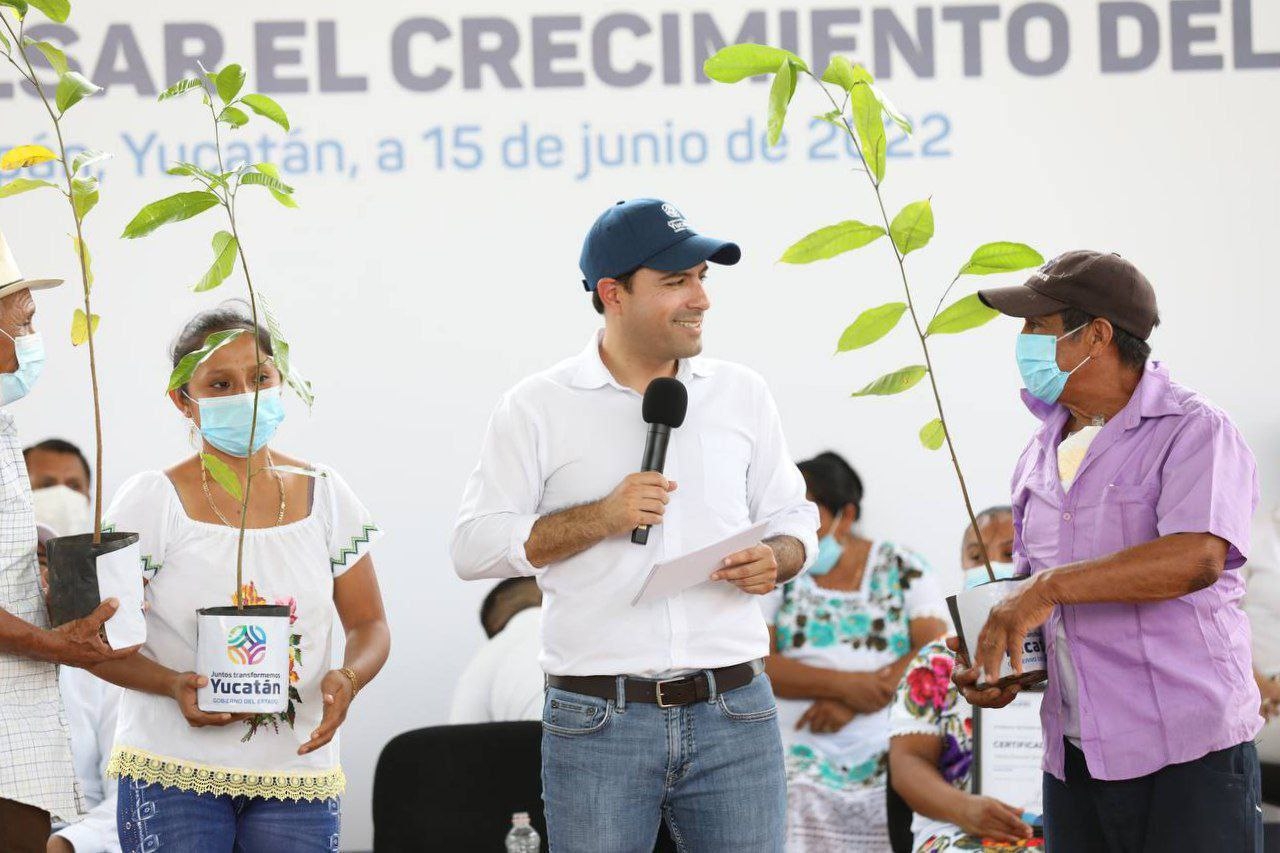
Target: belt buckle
<point x="662" y="703"/>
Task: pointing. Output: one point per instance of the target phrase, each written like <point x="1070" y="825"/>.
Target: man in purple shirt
<point x="1132" y="505"/>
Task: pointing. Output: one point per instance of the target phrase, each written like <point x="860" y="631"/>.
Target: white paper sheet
<point x="120" y="577"/>
<point x="666" y="579"/>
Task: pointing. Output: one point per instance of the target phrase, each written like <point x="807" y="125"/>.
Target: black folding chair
<point x="454" y="788"/>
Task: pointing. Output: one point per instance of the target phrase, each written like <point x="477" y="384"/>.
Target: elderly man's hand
<point x="965" y="678"/>
<point x="81" y="642"/>
<point x="1007" y="625"/>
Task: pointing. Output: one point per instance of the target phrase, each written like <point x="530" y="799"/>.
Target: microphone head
<point x="666" y="401"/>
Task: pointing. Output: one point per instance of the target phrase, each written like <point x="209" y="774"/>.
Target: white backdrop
<point x="415" y="297"/>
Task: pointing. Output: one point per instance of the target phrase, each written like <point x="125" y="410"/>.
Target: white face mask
<point x="62" y="510"/>
<point x="977" y="576"/>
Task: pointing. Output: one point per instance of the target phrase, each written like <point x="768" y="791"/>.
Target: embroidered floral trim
<point x="202" y="779"/>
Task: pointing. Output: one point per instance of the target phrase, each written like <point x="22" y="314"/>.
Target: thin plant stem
<point x="30" y="75"/>
<point x="920" y="333"/>
<point x="228" y="203"/>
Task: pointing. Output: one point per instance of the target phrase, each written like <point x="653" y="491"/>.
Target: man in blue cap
<point x="661" y="709"/>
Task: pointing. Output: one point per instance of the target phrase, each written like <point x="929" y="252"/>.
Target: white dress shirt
<point x="503" y="681"/>
<point x="568" y="436"/>
<point x="91" y="705"/>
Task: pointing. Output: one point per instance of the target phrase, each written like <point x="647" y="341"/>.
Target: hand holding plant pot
<point x="861" y="110"/>
<point x="84" y="570"/>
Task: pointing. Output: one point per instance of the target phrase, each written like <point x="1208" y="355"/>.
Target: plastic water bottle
<point x="523" y="838"/>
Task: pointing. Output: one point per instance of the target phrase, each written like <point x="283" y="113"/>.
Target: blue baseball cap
<point x="647" y="232"/>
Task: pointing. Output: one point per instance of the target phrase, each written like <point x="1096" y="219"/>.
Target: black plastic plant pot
<point x="969" y="611"/>
<point x="83" y="574"/>
<point x="243" y="652"/>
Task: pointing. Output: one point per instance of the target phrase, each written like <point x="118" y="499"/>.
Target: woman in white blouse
<point x="195" y="781"/>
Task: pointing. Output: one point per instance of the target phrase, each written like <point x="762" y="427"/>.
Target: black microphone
<point x="666" y="401"/>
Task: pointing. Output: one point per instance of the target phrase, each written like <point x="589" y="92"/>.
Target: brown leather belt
<point x="666" y="693"/>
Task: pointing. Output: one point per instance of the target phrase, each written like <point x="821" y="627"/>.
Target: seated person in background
<point x="55" y="462"/>
<point x="60" y="478"/>
<point x="504" y="680"/>
<point x="842" y="636"/>
<point x="931" y="748"/>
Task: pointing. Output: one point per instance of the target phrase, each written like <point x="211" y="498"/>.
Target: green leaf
<point x="912" y="228"/>
<point x="234" y="117"/>
<point x="270" y="170"/>
<point x="265" y="180"/>
<point x="831" y="241"/>
<point x="932" y="434"/>
<point x="229" y="82"/>
<point x="57" y="59"/>
<point x="222" y="475"/>
<point x="892" y="112"/>
<point x="181" y="374"/>
<point x="54" y="10"/>
<point x="281" y="354"/>
<point x="871" y="325"/>
<point x="22" y="185"/>
<point x="88" y="259"/>
<point x="739" y="61"/>
<point x="894" y="383"/>
<point x="845" y="74"/>
<point x="174" y="208"/>
<point x="19" y="6"/>
<point x="1001" y="257"/>
<point x="784" y="86"/>
<point x="4" y="43"/>
<point x="833" y="118"/>
<point x="23" y="156"/>
<point x="72" y="88"/>
<point x="87" y="158"/>
<point x="869" y="124"/>
<point x="267" y="108"/>
<point x="224" y="262"/>
<point x="81" y="328"/>
<point x="961" y="316"/>
<point x="84" y="195"/>
<point x="179" y="88"/>
<point x="190" y="169"/>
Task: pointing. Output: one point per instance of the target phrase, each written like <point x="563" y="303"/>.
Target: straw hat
<point x="11" y="279"/>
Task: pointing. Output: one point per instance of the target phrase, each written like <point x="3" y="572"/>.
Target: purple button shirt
<point x="1159" y="683"/>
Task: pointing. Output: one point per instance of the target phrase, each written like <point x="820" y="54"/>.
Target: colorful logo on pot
<point x="246" y="644"/>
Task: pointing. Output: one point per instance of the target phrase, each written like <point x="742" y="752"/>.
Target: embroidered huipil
<point x="1164" y="682"/>
<point x="191" y="564"/>
<point x="35" y="752"/>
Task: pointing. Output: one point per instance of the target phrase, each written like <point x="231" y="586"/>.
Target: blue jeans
<point x="611" y="771"/>
<point x="154" y="818"/>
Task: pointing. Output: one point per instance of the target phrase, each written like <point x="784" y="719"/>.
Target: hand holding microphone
<point x="640" y="499"/>
<point x="666" y="401"/>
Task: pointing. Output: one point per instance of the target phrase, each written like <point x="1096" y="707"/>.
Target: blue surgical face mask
<point x="829" y="551"/>
<point x="225" y="421"/>
<point x="1038" y="363"/>
<point x="977" y="576"/>
<point x="30" y="352"/>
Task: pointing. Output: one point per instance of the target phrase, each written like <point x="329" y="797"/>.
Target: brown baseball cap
<point x="1099" y="283"/>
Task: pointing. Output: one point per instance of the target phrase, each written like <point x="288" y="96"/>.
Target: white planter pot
<point x="245" y="655"/>
<point x="969" y="610"/>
